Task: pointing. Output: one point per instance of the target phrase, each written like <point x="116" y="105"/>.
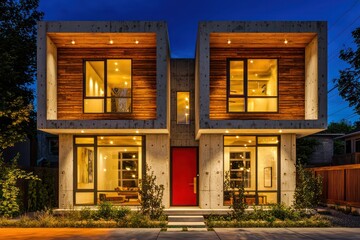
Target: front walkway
<point x="154" y="234"/>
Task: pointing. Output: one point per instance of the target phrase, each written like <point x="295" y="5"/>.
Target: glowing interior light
<point x="133" y="175"/>
<point x="116" y="63"/>
<point x="286" y="41"/>
<point x="251" y="61"/>
<point x="126" y="83"/>
<point x="134" y="138"/>
<point x="241" y="168"/>
<point x="111" y="41"/>
<point x="136" y="42"/>
<point x="187" y="107"/>
<point x="127" y="168"/>
<point x="187" y="99"/>
<point x="137" y="131"/>
<point x="228" y="41"/>
<point x="125" y="150"/>
<point x="227" y="131"/>
<point x="133" y="156"/>
<point x="111" y="142"/>
<point x="116" y="69"/>
<point x="104" y="169"/>
<point x="249" y="141"/>
<point x="280" y="131"/>
<point x="82" y="131"/>
<point x="73" y="42"/>
<point x="101" y="138"/>
<point x="237" y="136"/>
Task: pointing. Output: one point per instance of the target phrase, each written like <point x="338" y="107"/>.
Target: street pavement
<point x="154" y="234"/>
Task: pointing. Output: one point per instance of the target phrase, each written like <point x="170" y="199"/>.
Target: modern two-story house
<point x="205" y="126"/>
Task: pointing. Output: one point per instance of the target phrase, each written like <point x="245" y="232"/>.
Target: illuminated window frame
<point x="183" y="107"/>
<point x="105" y="97"/>
<point x="245" y="95"/>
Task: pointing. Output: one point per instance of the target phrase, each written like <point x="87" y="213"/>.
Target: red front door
<point x="184" y="176"/>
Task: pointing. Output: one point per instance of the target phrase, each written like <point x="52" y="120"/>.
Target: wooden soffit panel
<point x="260" y="40"/>
<point x="103" y="40"/>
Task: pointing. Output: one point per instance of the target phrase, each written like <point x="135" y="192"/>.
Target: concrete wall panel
<point x="287" y="168"/>
<point x="66" y="172"/>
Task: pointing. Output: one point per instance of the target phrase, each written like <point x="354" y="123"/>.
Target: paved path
<point x="154" y="234"/>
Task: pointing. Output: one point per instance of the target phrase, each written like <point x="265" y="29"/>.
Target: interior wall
<point x="311" y="80"/>
<point x="51" y="80"/>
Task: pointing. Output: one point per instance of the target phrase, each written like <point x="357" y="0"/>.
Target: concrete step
<point x="185" y="218"/>
<point x="186" y="224"/>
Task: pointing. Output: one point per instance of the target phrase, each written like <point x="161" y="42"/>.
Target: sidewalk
<point x="154" y="234"/>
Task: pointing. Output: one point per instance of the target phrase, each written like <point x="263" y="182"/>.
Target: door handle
<point x="195" y="180"/>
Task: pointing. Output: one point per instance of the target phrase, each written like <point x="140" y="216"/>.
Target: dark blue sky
<point x="183" y="16"/>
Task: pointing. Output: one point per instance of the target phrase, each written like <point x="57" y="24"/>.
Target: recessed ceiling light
<point x="116" y="69"/>
<point x="237" y="136"/>
<point x="136" y="42"/>
<point x="227" y="131"/>
<point x="280" y="131"/>
<point x="116" y="63"/>
<point x="73" y="42"/>
<point x="137" y="131"/>
<point x="228" y="41"/>
<point x="82" y="131"/>
<point x="286" y="41"/>
<point x="111" y="41"/>
<point x="251" y="61"/>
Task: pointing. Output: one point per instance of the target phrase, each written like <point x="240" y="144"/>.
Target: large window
<point x="252" y="162"/>
<point x="252" y="85"/>
<point x="108" y="168"/>
<point x="107" y="86"/>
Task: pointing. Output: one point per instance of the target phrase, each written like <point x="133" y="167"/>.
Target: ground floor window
<point x="252" y="162"/>
<point x="108" y="168"/>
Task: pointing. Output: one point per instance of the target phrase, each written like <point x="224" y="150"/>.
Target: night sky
<point x="183" y="16"/>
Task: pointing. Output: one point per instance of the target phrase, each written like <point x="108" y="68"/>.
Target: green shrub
<point x="120" y="213"/>
<point x="105" y="210"/>
<point x="86" y="214"/>
<point x="308" y="189"/>
<point x="238" y="205"/>
<point x="151" y="196"/>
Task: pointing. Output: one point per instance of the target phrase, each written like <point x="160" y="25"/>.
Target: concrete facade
<point x="163" y="133"/>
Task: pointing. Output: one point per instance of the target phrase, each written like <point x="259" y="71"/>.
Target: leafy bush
<point x="10" y="174"/>
<point x="105" y="210"/>
<point x="151" y="196"/>
<point x="86" y="214"/>
<point x="120" y="213"/>
<point x="308" y="189"/>
<point x="238" y="205"/>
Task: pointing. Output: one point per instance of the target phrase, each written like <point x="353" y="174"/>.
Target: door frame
<point x="197" y="175"/>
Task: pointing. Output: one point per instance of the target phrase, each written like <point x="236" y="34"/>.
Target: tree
<point x="340" y="127"/>
<point x="348" y="82"/>
<point x="305" y="147"/>
<point x="17" y="68"/>
<point x="17" y="71"/>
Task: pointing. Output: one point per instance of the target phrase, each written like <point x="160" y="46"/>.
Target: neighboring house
<point x="228" y="117"/>
<point x="324" y="150"/>
<point x="47" y="149"/>
<point x="352" y="149"/>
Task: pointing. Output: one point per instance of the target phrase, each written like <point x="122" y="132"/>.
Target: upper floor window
<point x="183" y="107"/>
<point x="108" y="86"/>
<point x="252" y="85"/>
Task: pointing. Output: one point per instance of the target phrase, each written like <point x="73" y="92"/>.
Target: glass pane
<point x="236" y="105"/>
<point x="239" y="167"/>
<point x="119" y="85"/>
<point x="262" y="77"/>
<point x="267" y="168"/>
<point x="118" y="105"/>
<point x="120" y="140"/>
<point x="118" y="167"/>
<point x="84" y="198"/>
<point x="85" y="167"/>
<point x="262" y="104"/>
<point x="93" y="105"/>
<point x="84" y="140"/>
<point x="239" y="140"/>
<point x="94" y="82"/>
<point x="183" y="107"/>
<point x="236" y="78"/>
<point x="268" y="140"/>
<point x="267" y="198"/>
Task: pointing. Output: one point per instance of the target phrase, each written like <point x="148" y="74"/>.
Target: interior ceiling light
<point x="136" y="42"/>
<point x="227" y="131"/>
<point x="251" y="61"/>
<point x="82" y="131"/>
<point x="280" y="131"/>
<point x="73" y="42"/>
<point x="286" y="41"/>
<point x="228" y="41"/>
<point x="111" y="41"/>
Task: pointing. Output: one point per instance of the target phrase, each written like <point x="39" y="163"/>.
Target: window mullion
<point x="245" y="85"/>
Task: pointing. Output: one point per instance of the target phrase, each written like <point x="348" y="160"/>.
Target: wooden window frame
<point x="105" y="97"/>
<point x="245" y="96"/>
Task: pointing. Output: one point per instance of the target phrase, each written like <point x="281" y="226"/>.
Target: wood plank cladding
<point x="70" y="82"/>
<point x="102" y="40"/>
<point x="291" y="82"/>
<point x="260" y="40"/>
